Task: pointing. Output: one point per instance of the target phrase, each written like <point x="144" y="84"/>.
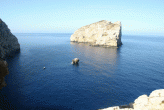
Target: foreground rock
<point x="102" y="33"/>
<point x="3" y="72"/>
<point x="155" y="101"/>
<point x="75" y="61"/>
<point x="8" y="42"/>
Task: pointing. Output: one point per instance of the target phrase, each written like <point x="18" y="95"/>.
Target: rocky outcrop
<point x="102" y="33"/>
<point x="8" y="47"/>
<point x="155" y="101"/>
<point x="8" y="42"/>
<point x="3" y="72"/>
<point x="75" y="61"/>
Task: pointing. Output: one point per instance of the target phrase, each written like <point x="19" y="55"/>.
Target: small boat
<point x="44" y="67"/>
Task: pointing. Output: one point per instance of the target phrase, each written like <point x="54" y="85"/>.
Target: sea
<point x="104" y="77"/>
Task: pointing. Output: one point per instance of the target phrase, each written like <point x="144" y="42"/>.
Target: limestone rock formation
<point x="102" y="33"/>
<point x="3" y="72"/>
<point x="8" y="42"/>
<point x="155" y="101"/>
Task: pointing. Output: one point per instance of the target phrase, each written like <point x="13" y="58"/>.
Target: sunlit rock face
<point x="102" y="33"/>
<point x="3" y="72"/>
<point x="8" y="42"/>
<point x="155" y="101"/>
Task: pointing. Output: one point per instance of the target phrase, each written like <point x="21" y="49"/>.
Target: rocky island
<point x="102" y="33"/>
<point x="8" y="47"/>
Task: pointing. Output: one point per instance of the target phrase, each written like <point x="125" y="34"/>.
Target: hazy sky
<point x="51" y="16"/>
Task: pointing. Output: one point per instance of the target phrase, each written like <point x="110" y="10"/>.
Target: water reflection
<point x="97" y="60"/>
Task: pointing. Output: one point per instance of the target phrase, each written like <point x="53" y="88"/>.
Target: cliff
<point x="103" y="33"/>
<point x="3" y="72"/>
<point x="8" y="42"/>
<point x="8" y="47"/>
<point x="155" y="101"/>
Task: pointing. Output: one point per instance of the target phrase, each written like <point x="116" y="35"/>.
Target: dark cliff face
<point x="8" y="47"/>
<point x="3" y="72"/>
<point x="8" y="42"/>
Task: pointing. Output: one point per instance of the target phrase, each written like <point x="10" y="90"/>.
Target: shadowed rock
<point x="3" y="72"/>
<point x="8" y="47"/>
<point x="8" y="42"/>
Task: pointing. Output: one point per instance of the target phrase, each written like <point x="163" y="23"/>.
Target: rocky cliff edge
<point x="155" y="101"/>
<point x="8" y="42"/>
<point x="8" y="47"/>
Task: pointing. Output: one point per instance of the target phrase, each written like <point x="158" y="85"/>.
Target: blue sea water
<point x="104" y="77"/>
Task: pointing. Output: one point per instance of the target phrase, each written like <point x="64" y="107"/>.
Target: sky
<point x="66" y="16"/>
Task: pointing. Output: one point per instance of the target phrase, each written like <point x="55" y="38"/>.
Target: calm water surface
<point x="104" y="77"/>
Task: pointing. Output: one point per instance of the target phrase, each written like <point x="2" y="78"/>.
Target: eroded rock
<point x="102" y="33"/>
